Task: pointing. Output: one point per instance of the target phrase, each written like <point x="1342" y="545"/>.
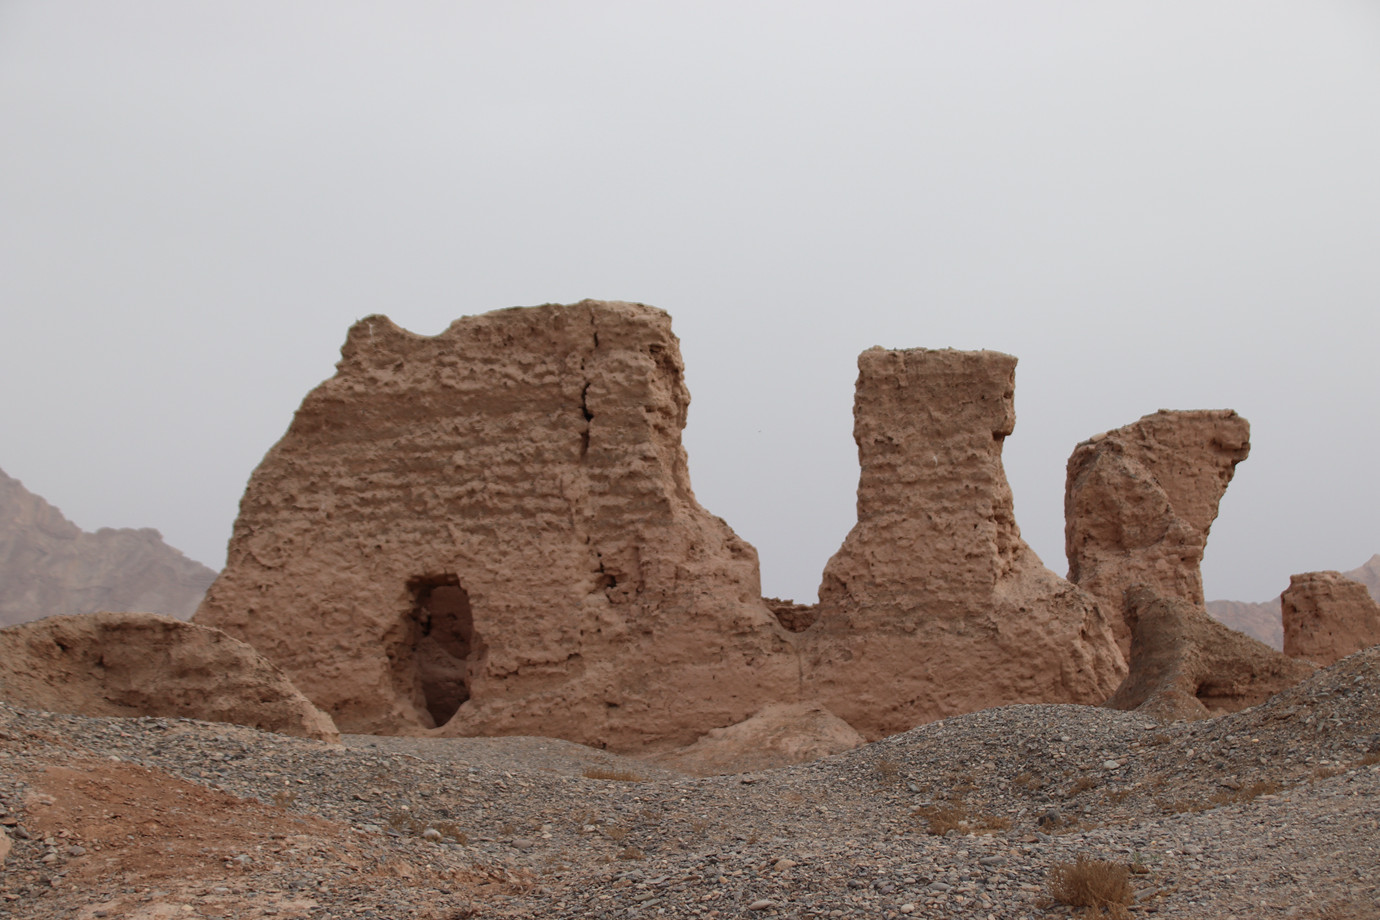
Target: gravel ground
<point x="1270" y="812"/>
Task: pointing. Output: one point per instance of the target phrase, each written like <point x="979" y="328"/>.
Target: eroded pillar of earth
<point x="1328" y="616"/>
<point x="934" y="605"/>
<point x="1139" y="502"/>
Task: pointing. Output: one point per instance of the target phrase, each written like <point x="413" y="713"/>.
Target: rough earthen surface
<point x="780" y="735"/>
<point x="1328" y="616"/>
<point x="143" y="664"/>
<point x="1269" y="814"/>
<point x="492" y="530"/>
<point x="1139" y="501"/>
<point x="49" y="566"/>
<point x="934" y="605"/>
<point x="1186" y="665"/>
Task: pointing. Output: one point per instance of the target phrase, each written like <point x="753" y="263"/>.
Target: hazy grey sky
<point x="1151" y="204"/>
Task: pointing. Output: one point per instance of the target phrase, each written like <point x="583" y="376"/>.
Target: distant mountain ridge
<point x="48" y="565"/>
<point x="1262" y="621"/>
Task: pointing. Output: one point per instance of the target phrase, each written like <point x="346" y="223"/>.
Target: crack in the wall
<point x="589" y="417"/>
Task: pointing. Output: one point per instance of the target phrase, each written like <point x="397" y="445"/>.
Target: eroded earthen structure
<point x="1186" y="665"/>
<point x="1139" y="502"/>
<point x="492" y="530"/>
<point x="1327" y="616"/>
<point x="934" y="605"/>
<point x="142" y="664"/>
<point x="780" y="735"/>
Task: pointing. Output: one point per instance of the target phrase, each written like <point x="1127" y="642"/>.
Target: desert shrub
<point x="1082" y="784"/>
<point x="620" y="776"/>
<point x="1245" y="793"/>
<point x="1098" y="887"/>
<point x="941" y="819"/>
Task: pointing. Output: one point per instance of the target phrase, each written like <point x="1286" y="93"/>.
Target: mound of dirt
<point x="143" y="664"/>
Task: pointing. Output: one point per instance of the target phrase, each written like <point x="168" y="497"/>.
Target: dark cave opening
<point x="443" y="643"/>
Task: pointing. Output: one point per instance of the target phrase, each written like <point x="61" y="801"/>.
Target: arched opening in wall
<point x="443" y="643"/>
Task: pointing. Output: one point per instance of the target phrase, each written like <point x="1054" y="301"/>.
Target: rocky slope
<point x="1270" y="812"/>
<point x="49" y="566"/>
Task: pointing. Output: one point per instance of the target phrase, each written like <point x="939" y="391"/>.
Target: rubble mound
<point x="780" y="735"/>
<point x="1139" y="502"/>
<point x="48" y="565"/>
<point x="934" y="605"/>
<point x="143" y="664"/>
<point x="1327" y="616"/>
<point x="1186" y="665"/>
<point x="492" y="530"/>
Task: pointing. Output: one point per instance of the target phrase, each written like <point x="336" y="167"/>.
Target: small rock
<point x="76" y="850"/>
<point x="763" y="904"/>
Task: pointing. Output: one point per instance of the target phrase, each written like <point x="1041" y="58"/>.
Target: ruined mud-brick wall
<point x="1186" y="665"/>
<point x="493" y="530"/>
<point x="934" y="605"/>
<point x="1327" y="616"/>
<point x="1139" y="502"/>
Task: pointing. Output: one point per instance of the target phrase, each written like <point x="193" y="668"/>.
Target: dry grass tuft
<point x="1344" y="910"/>
<point x="1245" y="793"/>
<point x="956" y="817"/>
<point x="888" y="771"/>
<point x="1100" y="888"/>
<point x="619" y="776"/>
<point x="1082" y="784"/>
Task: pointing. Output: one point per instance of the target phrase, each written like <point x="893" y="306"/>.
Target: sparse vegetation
<point x="1082" y="784"/>
<point x="1097" y="887"/>
<point x="618" y="776"/>
<point x="1222" y="797"/>
<point x="940" y="819"/>
<point x="631" y="852"/>
<point x="1245" y="793"/>
<point x="404" y="822"/>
